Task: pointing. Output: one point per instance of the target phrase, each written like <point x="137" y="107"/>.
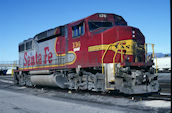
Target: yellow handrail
<point x="156" y="65"/>
<point x="116" y="51"/>
<point x="114" y="61"/>
<point x="12" y="73"/>
<point x="104" y="56"/>
<point x="153" y="53"/>
<point x="145" y="47"/>
<point x="152" y="50"/>
<point x="121" y="53"/>
<point x="114" y="55"/>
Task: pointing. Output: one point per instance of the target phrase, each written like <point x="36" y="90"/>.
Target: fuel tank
<point x="53" y="80"/>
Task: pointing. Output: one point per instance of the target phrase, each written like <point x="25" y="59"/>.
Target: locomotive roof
<point x="95" y="14"/>
<point x="27" y="40"/>
<point x="66" y="24"/>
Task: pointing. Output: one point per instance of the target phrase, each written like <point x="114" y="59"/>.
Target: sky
<point x="23" y="19"/>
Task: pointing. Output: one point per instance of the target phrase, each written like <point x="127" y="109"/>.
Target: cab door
<point x="78" y="42"/>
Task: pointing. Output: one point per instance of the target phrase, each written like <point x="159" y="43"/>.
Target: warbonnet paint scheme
<point x="99" y="53"/>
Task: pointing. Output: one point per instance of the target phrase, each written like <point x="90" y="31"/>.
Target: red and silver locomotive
<point x="99" y="53"/>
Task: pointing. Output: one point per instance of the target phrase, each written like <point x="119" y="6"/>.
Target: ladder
<point x="120" y="44"/>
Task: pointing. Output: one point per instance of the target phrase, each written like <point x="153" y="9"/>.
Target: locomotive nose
<point x="138" y="36"/>
<point x="118" y="33"/>
<point x="131" y="38"/>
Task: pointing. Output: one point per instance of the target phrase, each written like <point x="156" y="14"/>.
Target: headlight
<point x="133" y="33"/>
<point x="133" y="36"/>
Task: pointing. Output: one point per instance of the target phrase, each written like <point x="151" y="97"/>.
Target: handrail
<point x="114" y="61"/>
<point x="12" y="73"/>
<point x="145" y="47"/>
<point x="153" y="54"/>
<point x="116" y="51"/>
<point x="104" y="56"/>
<point x="114" y="54"/>
<point x="156" y="65"/>
<point x="121" y="52"/>
<point x="115" y="57"/>
<point x="103" y="68"/>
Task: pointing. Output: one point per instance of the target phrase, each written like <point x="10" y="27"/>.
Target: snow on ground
<point x="7" y="81"/>
<point x="157" y="103"/>
<point x="13" y="102"/>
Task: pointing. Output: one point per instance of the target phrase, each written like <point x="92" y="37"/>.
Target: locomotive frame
<point x="99" y="53"/>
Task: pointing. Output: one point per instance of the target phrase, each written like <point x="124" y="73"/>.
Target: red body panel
<point x="84" y="58"/>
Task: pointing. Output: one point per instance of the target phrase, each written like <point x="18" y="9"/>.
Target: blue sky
<point x="22" y="19"/>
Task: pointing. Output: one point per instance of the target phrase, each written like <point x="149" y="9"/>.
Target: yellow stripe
<point x="64" y="54"/>
<point x="48" y="66"/>
<point x="128" y="47"/>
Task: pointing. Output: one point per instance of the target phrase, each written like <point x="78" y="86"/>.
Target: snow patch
<point x="157" y="103"/>
<point x="7" y="81"/>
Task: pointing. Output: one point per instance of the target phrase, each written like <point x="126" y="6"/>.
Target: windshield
<point x="96" y="25"/>
<point x="119" y="20"/>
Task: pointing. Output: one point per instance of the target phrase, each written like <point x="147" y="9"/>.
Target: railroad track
<point x="153" y="96"/>
<point x="159" y="96"/>
<point x="5" y="77"/>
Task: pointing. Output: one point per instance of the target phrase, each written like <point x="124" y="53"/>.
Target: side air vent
<point x="49" y="34"/>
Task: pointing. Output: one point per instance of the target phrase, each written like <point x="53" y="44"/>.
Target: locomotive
<point x="98" y="53"/>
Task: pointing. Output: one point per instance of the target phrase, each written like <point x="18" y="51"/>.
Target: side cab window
<point x="28" y="45"/>
<point x="21" y="47"/>
<point x="78" y="30"/>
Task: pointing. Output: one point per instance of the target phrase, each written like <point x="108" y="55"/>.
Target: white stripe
<point x="7" y="81"/>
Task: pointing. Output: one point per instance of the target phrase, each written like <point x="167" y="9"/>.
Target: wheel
<point x="21" y="80"/>
<point x="15" y="78"/>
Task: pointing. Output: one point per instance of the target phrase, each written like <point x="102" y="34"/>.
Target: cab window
<point x="119" y="21"/>
<point x="78" y="30"/>
<point x="99" y="24"/>
<point x="28" y="45"/>
<point x="21" y="47"/>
